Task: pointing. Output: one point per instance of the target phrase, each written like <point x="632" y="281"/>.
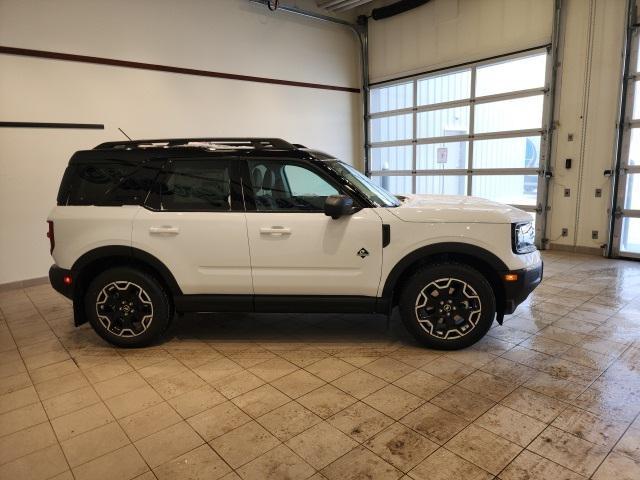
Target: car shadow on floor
<point x="359" y="329"/>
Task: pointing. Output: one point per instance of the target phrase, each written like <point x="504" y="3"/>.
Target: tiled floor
<point x="552" y="394"/>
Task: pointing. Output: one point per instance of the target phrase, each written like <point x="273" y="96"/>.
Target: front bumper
<point x="517" y="291"/>
<point x="56" y="277"/>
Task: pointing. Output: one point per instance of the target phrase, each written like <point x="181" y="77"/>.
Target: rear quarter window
<point x="107" y="183"/>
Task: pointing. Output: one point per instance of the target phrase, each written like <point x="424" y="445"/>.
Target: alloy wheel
<point x="448" y="308"/>
<point x="124" y="309"/>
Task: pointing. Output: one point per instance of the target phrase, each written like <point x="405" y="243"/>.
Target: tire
<point x="447" y="306"/>
<point x="127" y="307"/>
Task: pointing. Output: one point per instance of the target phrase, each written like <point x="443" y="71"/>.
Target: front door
<point x="295" y="248"/>
<point x="195" y="224"/>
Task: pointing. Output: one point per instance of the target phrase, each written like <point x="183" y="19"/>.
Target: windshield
<point x="377" y="195"/>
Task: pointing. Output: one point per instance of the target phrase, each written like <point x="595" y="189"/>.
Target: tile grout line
<point x="623" y="433"/>
<point x="332" y="352"/>
<point x="101" y="401"/>
<point x="614" y="447"/>
<point x="182" y="420"/>
<point x="571" y="434"/>
<point x="296" y="399"/>
<point x="58" y="444"/>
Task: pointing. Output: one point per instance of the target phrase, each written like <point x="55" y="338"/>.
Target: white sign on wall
<point x="442" y="154"/>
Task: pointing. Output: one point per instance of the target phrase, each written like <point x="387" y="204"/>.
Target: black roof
<point x="139" y="150"/>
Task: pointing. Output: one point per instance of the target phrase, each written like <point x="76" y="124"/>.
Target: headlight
<point x="523" y="237"/>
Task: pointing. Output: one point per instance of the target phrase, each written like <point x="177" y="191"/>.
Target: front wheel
<point x="127" y="307"/>
<point x="448" y="306"/>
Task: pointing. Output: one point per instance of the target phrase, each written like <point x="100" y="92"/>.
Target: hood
<point x="456" y="209"/>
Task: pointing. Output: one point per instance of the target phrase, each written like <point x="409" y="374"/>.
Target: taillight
<point x="51" y="236"/>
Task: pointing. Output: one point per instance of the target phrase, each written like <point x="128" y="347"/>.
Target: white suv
<point x="148" y="228"/>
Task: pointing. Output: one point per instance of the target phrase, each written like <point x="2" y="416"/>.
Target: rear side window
<point x="197" y="185"/>
<point x="107" y="183"/>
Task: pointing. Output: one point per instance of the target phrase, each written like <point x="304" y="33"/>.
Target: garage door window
<point x="475" y="130"/>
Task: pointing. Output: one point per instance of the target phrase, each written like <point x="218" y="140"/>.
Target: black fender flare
<point x="443" y="248"/>
<point x="122" y="251"/>
<point x="137" y="257"/>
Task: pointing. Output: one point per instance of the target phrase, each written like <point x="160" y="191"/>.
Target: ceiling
<point x="341" y="5"/>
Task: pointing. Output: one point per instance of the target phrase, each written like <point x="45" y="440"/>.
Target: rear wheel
<point x="127" y="307"/>
<point x="448" y="306"/>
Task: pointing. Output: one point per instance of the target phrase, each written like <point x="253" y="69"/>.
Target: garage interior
<point x="532" y="103"/>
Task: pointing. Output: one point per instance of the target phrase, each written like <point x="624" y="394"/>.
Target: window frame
<point x="154" y="198"/>
<point x="471" y="171"/>
<point x="626" y="167"/>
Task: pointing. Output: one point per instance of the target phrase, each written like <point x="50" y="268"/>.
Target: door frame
<point x="627" y="124"/>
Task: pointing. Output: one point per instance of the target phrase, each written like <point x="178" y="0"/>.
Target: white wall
<point x="448" y="32"/>
<point x="230" y="36"/>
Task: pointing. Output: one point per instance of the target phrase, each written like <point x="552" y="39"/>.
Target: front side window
<point x="280" y="186"/>
<point x="197" y="185"/>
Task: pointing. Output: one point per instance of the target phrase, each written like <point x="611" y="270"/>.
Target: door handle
<point x="164" y="230"/>
<point x="275" y="230"/>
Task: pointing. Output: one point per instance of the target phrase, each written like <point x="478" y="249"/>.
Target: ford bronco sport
<point x="144" y="229"/>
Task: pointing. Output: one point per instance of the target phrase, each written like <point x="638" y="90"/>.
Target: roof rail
<point x="249" y="142"/>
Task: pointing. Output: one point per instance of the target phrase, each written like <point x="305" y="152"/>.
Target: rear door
<point x="295" y="248"/>
<point x="194" y="223"/>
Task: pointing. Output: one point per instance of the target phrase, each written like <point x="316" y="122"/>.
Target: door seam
<point x="246" y="229"/>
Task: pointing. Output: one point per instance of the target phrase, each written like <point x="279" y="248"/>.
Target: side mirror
<point x="336" y="206"/>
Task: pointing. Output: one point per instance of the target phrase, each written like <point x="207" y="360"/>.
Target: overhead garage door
<point x="472" y="130"/>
